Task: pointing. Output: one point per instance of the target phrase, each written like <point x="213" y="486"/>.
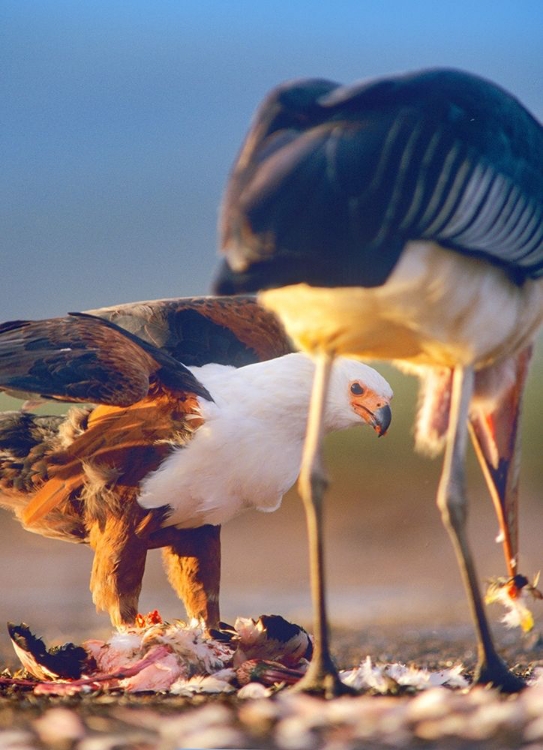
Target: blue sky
<point x="120" y="120"/>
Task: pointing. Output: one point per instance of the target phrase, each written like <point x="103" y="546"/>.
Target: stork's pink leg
<point x="496" y="438"/>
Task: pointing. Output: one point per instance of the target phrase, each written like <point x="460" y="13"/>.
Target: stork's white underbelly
<point x="437" y="307"/>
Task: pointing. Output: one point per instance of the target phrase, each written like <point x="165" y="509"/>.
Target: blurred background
<point x="119" y="124"/>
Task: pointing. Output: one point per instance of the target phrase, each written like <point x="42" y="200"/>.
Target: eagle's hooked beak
<point x="380" y="419"/>
<point x="373" y="411"/>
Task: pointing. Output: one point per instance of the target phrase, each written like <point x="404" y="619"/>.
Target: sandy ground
<point x="434" y="718"/>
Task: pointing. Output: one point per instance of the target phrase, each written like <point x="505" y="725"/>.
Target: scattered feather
<point x="253" y="691"/>
<point x="220" y="682"/>
<point x="157" y="656"/>
<point x="513" y="594"/>
<point x="396" y="678"/>
<point x="271" y="637"/>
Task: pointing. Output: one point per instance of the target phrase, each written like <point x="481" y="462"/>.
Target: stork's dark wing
<point x="355" y="172"/>
<point x="199" y="330"/>
<point x="86" y="359"/>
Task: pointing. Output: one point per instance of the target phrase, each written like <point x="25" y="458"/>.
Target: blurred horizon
<point x="120" y="122"/>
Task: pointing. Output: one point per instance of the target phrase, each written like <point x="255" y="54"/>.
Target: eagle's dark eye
<point x="356" y="389"/>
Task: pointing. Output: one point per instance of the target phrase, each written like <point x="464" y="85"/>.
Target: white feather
<point x="247" y="453"/>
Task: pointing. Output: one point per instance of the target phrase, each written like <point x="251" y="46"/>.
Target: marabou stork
<point x="171" y="452"/>
<point x="402" y="219"/>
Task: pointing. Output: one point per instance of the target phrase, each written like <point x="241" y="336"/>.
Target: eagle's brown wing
<point x="83" y="358"/>
<point x="198" y="330"/>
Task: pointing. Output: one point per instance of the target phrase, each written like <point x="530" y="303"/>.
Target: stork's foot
<point x="495" y="673"/>
<point x="322" y="680"/>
